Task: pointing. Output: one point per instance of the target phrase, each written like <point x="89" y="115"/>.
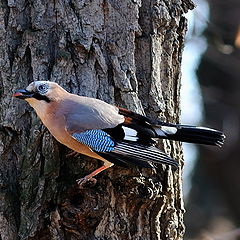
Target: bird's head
<point x="40" y="91"/>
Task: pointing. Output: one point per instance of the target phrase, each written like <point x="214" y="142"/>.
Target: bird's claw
<point x="86" y="181"/>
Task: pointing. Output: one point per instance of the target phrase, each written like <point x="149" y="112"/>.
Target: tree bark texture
<point x="124" y="52"/>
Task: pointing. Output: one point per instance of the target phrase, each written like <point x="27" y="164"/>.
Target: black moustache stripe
<point x="41" y="97"/>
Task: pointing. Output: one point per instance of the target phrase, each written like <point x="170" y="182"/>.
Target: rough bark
<point x="123" y="52"/>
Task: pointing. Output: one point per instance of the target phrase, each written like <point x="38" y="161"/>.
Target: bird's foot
<point x="86" y="181"/>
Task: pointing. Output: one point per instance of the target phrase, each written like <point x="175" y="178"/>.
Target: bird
<point x="106" y="132"/>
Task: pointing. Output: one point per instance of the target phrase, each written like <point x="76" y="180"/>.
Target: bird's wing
<point x="83" y="113"/>
<point x="122" y="152"/>
<point x="100" y="126"/>
<point x="96" y="139"/>
<point x="141" y="155"/>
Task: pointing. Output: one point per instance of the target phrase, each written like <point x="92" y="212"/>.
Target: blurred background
<point x="211" y="97"/>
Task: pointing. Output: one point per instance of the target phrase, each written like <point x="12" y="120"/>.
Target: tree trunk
<point x="124" y="52"/>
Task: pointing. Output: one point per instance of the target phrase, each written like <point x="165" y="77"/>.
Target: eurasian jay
<point x="114" y="135"/>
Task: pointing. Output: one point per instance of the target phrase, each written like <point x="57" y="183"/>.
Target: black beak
<point x="23" y="94"/>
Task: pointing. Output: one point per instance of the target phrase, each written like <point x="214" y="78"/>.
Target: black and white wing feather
<point x="125" y="151"/>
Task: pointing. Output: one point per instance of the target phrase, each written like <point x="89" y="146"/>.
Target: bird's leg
<point x="90" y="176"/>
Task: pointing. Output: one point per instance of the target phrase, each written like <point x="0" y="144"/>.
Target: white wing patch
<point x="163" y="130"/>
<point x="169" y="130"/>
<point x="130" y="134"/>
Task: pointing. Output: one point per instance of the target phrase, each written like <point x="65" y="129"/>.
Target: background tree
<point x="124" y="52"/>
<point x="217" y="172"/>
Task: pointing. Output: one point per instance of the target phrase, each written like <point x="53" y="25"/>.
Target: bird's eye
<point x="42" y="89"/>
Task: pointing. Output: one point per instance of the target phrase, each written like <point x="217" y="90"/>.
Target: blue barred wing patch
<point x="96" y="139"/>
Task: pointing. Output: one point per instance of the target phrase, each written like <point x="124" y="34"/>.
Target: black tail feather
<point x="198" y="135"/>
